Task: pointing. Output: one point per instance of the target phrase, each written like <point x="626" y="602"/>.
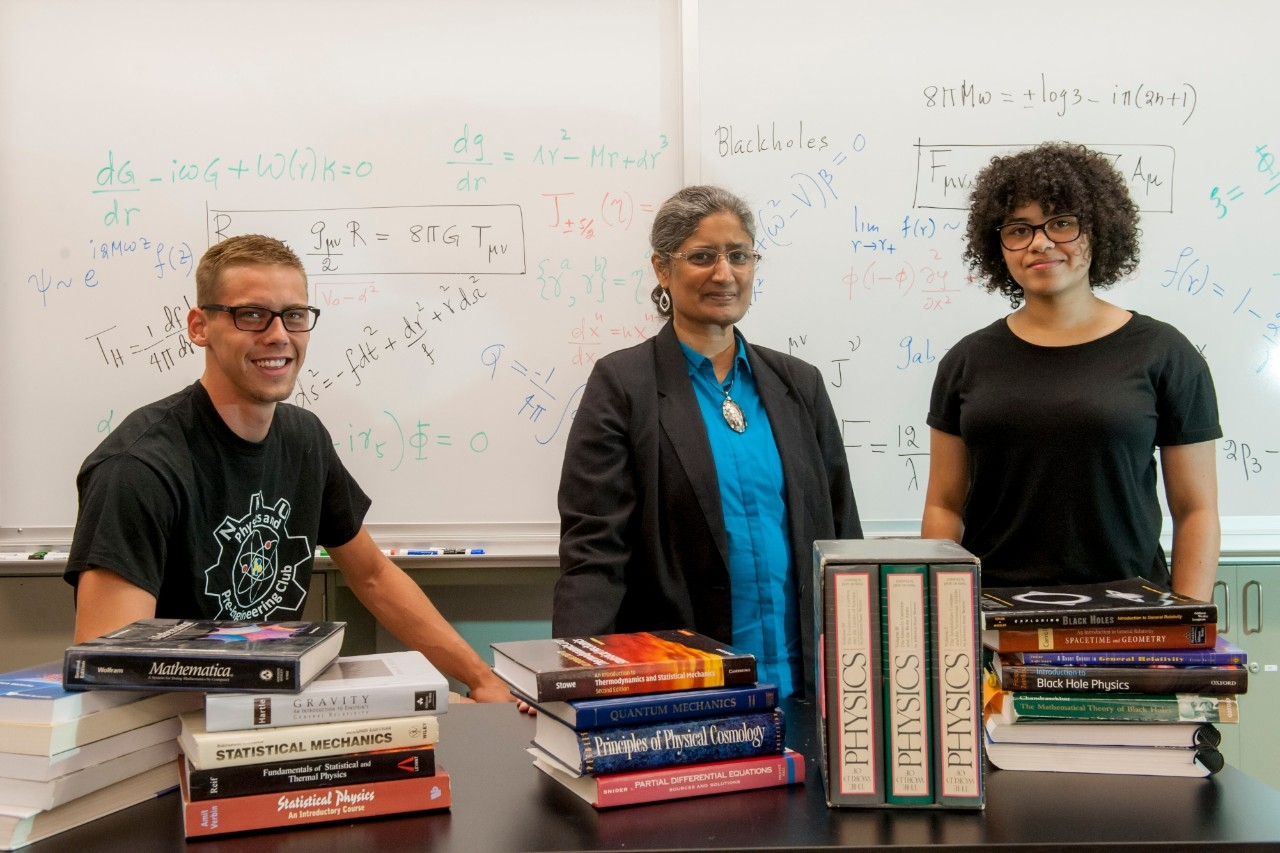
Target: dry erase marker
<point x="56" y="555"/>
<point x="440" y="552"/>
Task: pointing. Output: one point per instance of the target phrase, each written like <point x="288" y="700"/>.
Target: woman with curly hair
<point x="1044" y="425"/>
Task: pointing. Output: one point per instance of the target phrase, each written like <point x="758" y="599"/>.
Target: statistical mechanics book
<point x="204" y="654"/>
<point x="275" y="777"/>
<point x="619" y="664"/>
<point x="314" y="805"/>
<point x="657" y="707"/>
<point x="359" y="687"/>
<point x="1130" y="602"/>
<point x="672" y="783"/>
<point x="1035" y="678"/>
<point x="677" y="742"/>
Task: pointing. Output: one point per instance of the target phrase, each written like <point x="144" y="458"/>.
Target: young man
<point x="210" y="503"/>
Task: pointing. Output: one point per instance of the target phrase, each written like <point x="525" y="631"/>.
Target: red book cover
<point x="313" y="805"/>
<point x="1067" y="639"/>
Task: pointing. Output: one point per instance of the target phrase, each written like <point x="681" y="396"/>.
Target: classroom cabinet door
<point x="1242" y="594"/>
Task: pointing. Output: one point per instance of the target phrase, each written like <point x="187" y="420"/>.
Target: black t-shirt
<point x="214" y="526"/>
<point x="1061" y="447"/>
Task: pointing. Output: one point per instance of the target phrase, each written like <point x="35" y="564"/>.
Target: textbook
<point x="204" y="654"/>
<point x="62" y="789"/>
<point x="666" y="744"/>
<point x="48" y="740"/>
<point x="35" y="695"/>
<point x="905" y="620"/>
<point x="1130" y="602"/>
<point x="359" y="687"/>
<point x="356" y="768"/>
<point x="1131" y="637"/>
<point x="956" y="672"/>
<point x="43" y="768"/>
<point x="23" y="825"/>
<point x="619" y="664"/>
<point x="1092" y="733"/>
<point x="673" y="783"/>
<point x="1195" y="761"/>
<point x="314" y="805"/>
<point x="655" y="707"/>
<point x="1223" y="653"/>
<point x="1033" y="678"/>
<point x="1011" y="707"/>
<point x="205" y="749"/>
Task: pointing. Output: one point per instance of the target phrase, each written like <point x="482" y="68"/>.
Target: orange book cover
<point x="620" y="665"/>
<point x="313" y="805"/>
<point x="1067" y="639"/>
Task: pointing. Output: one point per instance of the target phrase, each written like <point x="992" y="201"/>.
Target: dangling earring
<point x="664" y="301"/>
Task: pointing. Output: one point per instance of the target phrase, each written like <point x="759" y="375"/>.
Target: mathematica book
<point x="1130" y="602"/>
<point x="619" y="664"/>
<point x="204" y="654"/>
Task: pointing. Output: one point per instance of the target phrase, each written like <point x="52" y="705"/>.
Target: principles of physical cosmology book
<point x="204" y="654"/>
<point x="356" y="768"/>
<point x="1033" y="678"/>
<point x="597" y="751"/>
<point x="656" y="707"/>
<point x="314" y="805"/>
<point x="35" y="695"/>
<point x="205" y="749"/>
<point x="359" y="687"/>
<point x="1072" y="639"/>
<point x="619" y="664"/>
<point x="1129" y="602"/>
<point x="671" y="783"/>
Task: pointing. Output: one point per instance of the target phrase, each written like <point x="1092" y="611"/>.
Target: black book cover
<point x="1130" y="602"/>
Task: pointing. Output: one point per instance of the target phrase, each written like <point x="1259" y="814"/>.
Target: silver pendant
<point x="733" y="415"/>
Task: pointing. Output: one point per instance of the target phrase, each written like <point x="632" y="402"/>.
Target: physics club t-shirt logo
<point x="256" y="573"/>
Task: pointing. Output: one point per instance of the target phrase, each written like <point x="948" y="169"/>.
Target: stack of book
<point x="70" y="757"/>
<point x="637" y="718"/>
<point x="900" y="673"/>
<point x="1120" y="677"/>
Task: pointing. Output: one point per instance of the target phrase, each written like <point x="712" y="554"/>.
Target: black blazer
<point x="642" y="536"/>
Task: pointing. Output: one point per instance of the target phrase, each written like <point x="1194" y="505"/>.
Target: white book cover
<point x="205" y="749"/>
<point x="358" y="687"/>
<point x="34" y="695"/>
<point x="42" y="768"/>
<point x="49" y="740"/>
<point x="55" y="792"/>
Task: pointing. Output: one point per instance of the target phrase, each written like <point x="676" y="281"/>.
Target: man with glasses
<point x="211" y="502"/>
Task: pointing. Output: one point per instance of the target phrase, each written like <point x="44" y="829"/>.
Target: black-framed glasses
<point x="1063" y="228"/>
<point x="256" y="318"/>
<point x="704" y="258"/>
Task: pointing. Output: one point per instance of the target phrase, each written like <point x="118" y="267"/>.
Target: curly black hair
<point x="1061" y="178"/>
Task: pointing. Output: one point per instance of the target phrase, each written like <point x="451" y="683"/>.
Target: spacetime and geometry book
<point x="1035" y="678"/>
<point x="205" y="749"/>
<point x="904" y="619"/>
<point x="673" y="783"/>
<point x="1130" y="602"/>
<point x="275" y="777"/>
<point x="35" y="695"/>
<point x="1012" y="707"/>
<point x="657" y="707"/>
<point x="49" y="740"/>
<point x="1129" y="637"/>
<point x="204" y="654"/>
<point x="314" y="805"/>
<point x="640" y="747"/>
<point x="359" y="687"/>
<point x="1195" y="761"/>
<point x="956" y="669"/>
<point x="1223" y="653"/>
<point x="619" y="664"/>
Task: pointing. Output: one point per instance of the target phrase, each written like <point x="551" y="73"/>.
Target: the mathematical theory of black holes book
<point x="1131" y="602"/>
<point x="620" y="664"/>
<point x="204" y="654"/>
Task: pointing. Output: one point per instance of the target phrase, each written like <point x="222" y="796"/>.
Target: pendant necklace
<point x="732" y="411"/>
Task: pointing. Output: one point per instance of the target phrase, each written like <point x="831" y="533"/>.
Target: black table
<point x="502" y="803"/>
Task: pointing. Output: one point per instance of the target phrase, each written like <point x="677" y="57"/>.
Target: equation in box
<point x="405" y="240"/>
<point x="945" y="173"/>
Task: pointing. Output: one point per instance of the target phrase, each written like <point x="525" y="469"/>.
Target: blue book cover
<point x="1224" y="653"/>
<point x="667" y="744"/>
<point x="643" y="708"/>
<point x="35" y="695"/>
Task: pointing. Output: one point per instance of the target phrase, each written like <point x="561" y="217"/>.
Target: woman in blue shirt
<point x="700" y="468"/>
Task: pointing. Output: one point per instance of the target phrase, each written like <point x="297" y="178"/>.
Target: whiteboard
<point x="855" y="130"/>
<point x="469" y="184"/>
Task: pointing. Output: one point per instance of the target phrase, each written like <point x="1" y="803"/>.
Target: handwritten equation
<point x="1178" y="99"/>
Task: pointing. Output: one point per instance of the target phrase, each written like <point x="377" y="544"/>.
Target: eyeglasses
<point x="704" y="258"/>
<point x="255" y="318"/>
<point x="1059" y="229"/>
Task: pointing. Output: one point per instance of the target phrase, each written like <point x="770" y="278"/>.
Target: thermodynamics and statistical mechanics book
<point x="204" y="654"/>
<point x="35" y="695"/>
<point x="673" y="783"/>
<point x="359" y="687"/>
<point x="597" y="751"/>
<point x="1130" y="602"/>
<point x="206" y="749"/>
<point x="1223" y="653"/>
<point x="356" y="768"/>
<point x="1033" y="678"/>
<point x="583" y="714"/>
<point x="1072" y="639"/>
<point x="620" y="664"/>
